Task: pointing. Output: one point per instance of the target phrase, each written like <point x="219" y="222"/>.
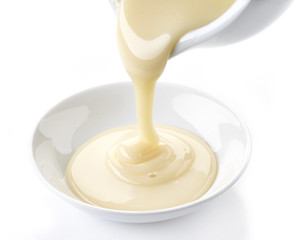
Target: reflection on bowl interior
<point x="72" y="122"/>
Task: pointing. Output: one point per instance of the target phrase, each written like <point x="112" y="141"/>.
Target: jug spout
<point x="242" y="20"/>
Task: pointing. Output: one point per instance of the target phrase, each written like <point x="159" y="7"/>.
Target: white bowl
<point x="78" y="118"/>
<point x="208" y="31"/>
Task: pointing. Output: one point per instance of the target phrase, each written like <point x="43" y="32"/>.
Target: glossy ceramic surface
<point x="207" y="32"/>
<point x="240" y="22"/>
<point x="80" y="117"/>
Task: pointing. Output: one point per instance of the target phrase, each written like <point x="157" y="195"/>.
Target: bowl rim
<point x="197" y="202"/>
<point x="210" y="30"/>
<point x="206" y="32"/>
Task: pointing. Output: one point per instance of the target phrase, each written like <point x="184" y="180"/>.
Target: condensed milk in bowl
<point x="137" y="152"/>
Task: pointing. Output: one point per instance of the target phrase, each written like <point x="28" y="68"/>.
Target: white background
<point x="50" y="50"/>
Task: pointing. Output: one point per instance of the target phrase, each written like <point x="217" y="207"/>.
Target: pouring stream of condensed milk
<point x="147" y="167"/>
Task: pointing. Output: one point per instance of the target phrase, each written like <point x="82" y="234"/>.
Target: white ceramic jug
<point x="242" y="20"/>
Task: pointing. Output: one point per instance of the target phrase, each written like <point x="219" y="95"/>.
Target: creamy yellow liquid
<point x="147" y="168"/>
<point x="101" y="172"/>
